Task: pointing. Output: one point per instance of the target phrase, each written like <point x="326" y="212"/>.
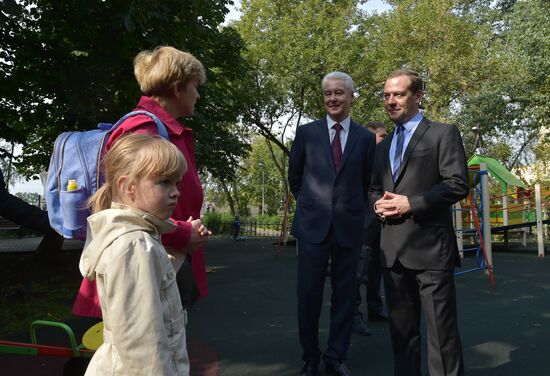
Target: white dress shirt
<point x="343" y="132"/>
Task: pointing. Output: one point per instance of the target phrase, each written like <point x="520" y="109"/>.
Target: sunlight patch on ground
<point x="490" y="354"/>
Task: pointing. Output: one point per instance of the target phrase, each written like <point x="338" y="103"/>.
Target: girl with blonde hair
<point x="144" y="322"/>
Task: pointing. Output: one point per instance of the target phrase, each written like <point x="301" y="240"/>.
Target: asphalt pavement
<point x="249" y="318"/>
<point x="247" y="325"/>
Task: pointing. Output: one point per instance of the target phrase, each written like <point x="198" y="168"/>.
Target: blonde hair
<point x="137" y="156"/>
<point x="159" y="70"/>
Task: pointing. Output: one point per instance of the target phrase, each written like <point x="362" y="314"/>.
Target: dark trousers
<point x="407" y="291"/>
<point x="312" y="267"/>
<point x="370" y="275"/>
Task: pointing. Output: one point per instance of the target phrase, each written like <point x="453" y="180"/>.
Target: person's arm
<point x="22" y="213"/>
<point x="134" y="283"/>
<point x="188" y="236"/>
<point x="296" y="163"/>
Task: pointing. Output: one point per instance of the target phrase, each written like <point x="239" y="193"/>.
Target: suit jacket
<point x="433" y="175"/>
<point x="325" y="199"/>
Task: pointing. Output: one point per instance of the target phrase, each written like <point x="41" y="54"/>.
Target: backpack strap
<point x="161" y="128"/>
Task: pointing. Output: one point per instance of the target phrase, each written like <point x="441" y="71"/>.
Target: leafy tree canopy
<point x="67" y="65"/>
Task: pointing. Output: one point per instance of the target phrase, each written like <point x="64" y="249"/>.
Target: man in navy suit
<point x="420" y="172"/>
<point x="329" y="174"/>
<point x="369" y="270"/>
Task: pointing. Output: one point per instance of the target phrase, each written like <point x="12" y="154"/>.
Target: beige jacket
<point x="136" y="281"/>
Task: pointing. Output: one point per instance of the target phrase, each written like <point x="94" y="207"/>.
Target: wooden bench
<point x="6" y="224"/>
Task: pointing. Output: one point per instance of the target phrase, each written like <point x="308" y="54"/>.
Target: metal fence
<point x="250" y="229"/>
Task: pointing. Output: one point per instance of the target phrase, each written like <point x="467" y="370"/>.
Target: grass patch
<point x="31" y="291"/>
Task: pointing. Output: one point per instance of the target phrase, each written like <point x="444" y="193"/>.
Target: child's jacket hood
<point x="106" y="226"/>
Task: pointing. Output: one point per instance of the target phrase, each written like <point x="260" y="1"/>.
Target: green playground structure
<point x="34" y="348"/>
<point x="518" y="208"/>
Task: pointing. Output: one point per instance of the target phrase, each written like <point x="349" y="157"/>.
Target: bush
<point x="215" y="222"/>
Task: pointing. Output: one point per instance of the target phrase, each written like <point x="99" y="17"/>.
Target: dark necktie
<point x="400" y="131"/>
<point x="337" y="146"/>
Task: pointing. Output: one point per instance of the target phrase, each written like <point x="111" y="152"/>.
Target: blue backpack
<point x="78" y="156"/>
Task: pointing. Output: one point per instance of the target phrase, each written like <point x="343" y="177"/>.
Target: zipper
<point x="83" y="163"/>
<point x="58" y="163"/>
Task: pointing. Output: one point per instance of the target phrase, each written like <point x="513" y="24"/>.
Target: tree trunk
<point x="228" y="196"/>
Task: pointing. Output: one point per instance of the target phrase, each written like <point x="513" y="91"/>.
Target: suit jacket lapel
<point x="418" y="133"/>
<point x="350" y="143"/>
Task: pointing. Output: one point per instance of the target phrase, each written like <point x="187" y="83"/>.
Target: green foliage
<point x="485" y="64"/>
<point x="213" y="221"/>
<point x="256" y="172"/>
<point x="512" y="107"/>
<point x="291" y="45"/>
<point x="260" y="172"/>
<point x="67" y="65"/>
<point x="438" y="39"/>
<point x="269" y="219"/>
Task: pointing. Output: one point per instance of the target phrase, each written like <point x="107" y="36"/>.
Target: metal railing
<point x="248" y="229"/>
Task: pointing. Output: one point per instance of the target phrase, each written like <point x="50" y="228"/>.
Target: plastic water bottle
<point x="71" y="185"/>
<point x="73" y="203"/>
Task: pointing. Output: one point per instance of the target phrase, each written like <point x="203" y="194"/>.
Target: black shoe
<point x="309" y="369"/>
<point x="338" y="369"/>
<point x="359" y="326"/>
<point x="378" y="315"/>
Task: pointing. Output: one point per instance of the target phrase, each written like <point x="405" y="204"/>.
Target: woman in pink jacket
<point x="169" y="79"/>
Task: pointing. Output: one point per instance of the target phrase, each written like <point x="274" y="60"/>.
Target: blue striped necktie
<point x="400" y="131"/>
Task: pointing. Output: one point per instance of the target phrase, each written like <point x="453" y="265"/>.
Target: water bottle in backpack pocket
<point x="75" y="210"/>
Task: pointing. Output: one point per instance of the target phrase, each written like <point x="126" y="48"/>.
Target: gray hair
<point x="348" y="81"/>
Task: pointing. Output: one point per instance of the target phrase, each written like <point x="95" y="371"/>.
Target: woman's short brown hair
<point x="157" y="71"/>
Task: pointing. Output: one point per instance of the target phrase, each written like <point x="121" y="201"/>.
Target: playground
<point x="247" y="325"/>
<point x="484" y="217"/>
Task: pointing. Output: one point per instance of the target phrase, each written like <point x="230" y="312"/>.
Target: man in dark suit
<point x="369" y="270"/>
<point x="329" y="174"/>
<point x="420" y="171"/>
